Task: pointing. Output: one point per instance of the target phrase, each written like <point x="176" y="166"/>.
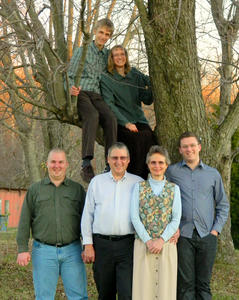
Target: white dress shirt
<point x="107" y="206"/>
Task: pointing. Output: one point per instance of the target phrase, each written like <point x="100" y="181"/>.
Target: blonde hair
<point x="111" y="65"/>
<point x="105" y="23"/>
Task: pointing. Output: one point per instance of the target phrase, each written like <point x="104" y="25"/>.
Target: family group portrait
<point x="119" y="130"/>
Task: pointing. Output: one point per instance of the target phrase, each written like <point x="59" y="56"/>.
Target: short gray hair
<point x="118" y="145"/>
<point x="160" y="150"/>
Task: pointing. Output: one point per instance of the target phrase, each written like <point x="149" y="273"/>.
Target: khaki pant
<point x="154" y="275"/>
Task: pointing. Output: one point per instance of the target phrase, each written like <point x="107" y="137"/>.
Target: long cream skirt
<point x="154" y="275"/>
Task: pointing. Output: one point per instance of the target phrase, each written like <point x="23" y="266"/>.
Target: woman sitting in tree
<point x="124" y="88"/>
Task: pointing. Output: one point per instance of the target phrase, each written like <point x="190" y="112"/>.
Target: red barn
<point x="11" y="201"/>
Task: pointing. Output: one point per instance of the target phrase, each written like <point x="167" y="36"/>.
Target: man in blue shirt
<point x="204" y="212"/>
<point x="107" y="231"/>
<point x="92" y="109"/>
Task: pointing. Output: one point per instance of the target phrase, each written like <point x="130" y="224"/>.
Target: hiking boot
<point x="107" y="168"/>
<point x="87" y="173"/>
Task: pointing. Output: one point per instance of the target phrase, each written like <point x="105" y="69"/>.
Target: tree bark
<point x="170" y="38"/>
<point x="174" y="71"/>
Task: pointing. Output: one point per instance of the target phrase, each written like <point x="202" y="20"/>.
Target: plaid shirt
<point x="95" y="64"/>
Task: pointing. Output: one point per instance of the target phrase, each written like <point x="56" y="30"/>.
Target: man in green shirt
<point x="52" y="211"/>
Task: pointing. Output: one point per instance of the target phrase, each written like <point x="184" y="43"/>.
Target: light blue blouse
<point x="171" y="228"/>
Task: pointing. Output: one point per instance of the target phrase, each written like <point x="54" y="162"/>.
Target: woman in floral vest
<point x="155" y="214"/>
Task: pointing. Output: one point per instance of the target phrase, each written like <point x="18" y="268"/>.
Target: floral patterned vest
<point x="155" y="212"/>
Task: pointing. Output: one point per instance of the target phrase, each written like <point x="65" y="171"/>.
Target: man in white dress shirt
<point x="108" y="234"/>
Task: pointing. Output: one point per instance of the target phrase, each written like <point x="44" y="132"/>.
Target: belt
<point x="58" y="245"/>
<point x="113" y="238"/>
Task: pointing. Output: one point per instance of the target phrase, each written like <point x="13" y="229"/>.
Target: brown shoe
<point x="87" y="173"/>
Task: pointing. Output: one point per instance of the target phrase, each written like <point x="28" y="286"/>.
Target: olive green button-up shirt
<point x="52" y="214"/>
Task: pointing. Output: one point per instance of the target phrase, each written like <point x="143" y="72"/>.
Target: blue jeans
<point x="49" y="262"/>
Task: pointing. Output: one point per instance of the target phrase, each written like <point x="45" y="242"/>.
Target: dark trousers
<point x="195" y="262"/>
<point x="138" y="144"/>
<point x="113" y="268"/>
<point x="94" y="111"/>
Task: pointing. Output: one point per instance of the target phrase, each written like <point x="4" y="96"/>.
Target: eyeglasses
<point x="193" y="146"/>
<point x="118" y="55"/>
<point x="154" y="163"/>
<point x="122" y="158"/>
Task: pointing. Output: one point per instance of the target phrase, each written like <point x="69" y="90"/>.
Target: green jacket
<point x="125" y="94"/>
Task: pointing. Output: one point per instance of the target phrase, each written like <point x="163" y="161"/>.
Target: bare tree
<point x="170" y="39"/>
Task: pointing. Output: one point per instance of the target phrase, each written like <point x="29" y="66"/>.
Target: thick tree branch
<point x="129" y="33"/>
<point x="235" y="153"/>
<point x="231" y="122"/>
<point x="142" y="11"/>
<point x="58" y="23"/>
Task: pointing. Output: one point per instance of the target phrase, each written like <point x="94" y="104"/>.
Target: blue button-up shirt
<point x="204" y="202"/>
<point x="107" y="206"/>
<point x="94" y="65"/>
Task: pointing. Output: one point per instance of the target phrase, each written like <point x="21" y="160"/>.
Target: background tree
<point x="235" y="191"/>
<point x="39" y="38"/>
<point x="170" y="38"/>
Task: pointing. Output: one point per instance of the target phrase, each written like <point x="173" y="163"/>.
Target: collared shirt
<point x="94" y="65"/>
<point x="171" y="228"/>
<point x="107" y="206"/>
<point x="204" y="202"/>
<point x="125" y="94"/>
<point x="53" y="214"/>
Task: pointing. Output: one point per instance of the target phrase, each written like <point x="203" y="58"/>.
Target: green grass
<point x="16" y="282"/>
<point x="225" y="280"/>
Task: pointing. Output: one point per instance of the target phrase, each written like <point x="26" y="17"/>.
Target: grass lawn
<point x="16" y="281"/>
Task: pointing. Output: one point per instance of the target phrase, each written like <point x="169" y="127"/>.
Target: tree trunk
<point x="174" y="70"/>
<point x="225" y="243"/>
<point x="28" y="141"/>
<point x="170" y="38"/>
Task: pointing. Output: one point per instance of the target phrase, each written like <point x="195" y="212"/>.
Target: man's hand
<point x="214" y="232"/>
<point x="88" y="255"/>
<point x="131" y="127"/>
<point x="174" y="238"/>
<point x="74" y="91"/>
<point x="23" y="258"/>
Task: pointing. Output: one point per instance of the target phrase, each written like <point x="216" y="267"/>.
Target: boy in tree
<point x="92" y="109"/>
